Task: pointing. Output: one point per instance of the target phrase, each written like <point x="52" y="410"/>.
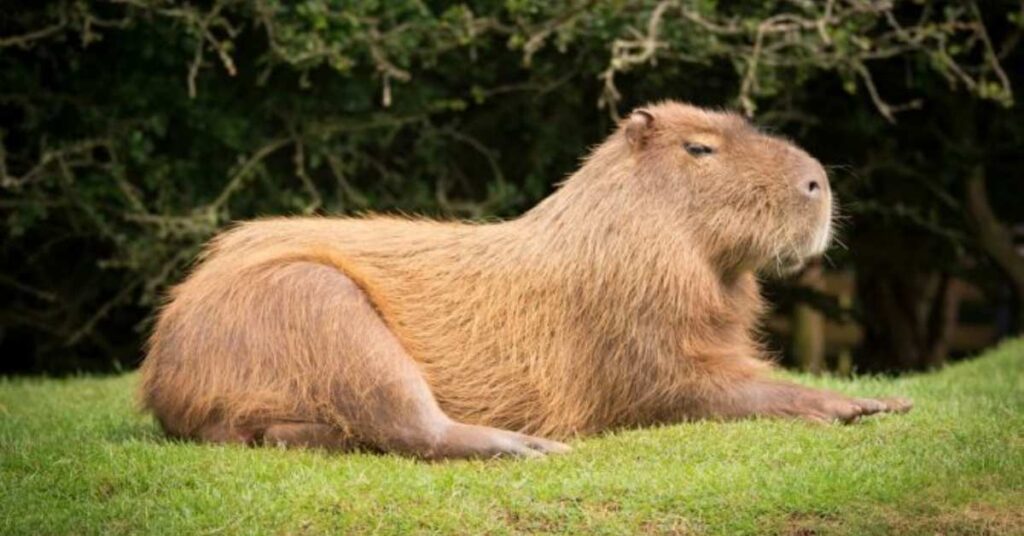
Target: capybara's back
<point x="626" y="298"/>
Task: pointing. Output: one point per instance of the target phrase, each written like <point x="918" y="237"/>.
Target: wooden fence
<point x="812" y="336"/>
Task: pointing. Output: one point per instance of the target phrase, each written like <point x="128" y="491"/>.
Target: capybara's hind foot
<point x="471" y="441"/>
<point x="291" y="434"/>
<point x="218" y="432"/>
<point x="306" y="435"/>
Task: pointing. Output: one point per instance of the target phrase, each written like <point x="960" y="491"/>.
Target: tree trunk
<point x="909" y="312"/>
<point x="995" y="238"/>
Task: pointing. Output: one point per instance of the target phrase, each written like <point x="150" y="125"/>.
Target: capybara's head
<point x="748" y="199"/>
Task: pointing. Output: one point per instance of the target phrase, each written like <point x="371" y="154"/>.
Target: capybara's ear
<point x="638" y="127"/>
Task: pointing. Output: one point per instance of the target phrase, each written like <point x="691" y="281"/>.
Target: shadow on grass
<point x="146" y="430"/>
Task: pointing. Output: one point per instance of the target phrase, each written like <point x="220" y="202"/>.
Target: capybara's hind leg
<point x="374" y="385"/>
<point x="772" y="398"/>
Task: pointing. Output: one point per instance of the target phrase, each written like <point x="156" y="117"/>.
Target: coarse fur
<point x="628" y="297"/>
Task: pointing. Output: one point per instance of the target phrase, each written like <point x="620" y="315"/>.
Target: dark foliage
<point x="131" y="130"/>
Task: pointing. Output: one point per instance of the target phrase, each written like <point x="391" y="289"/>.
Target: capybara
<point x="629" y="297"/>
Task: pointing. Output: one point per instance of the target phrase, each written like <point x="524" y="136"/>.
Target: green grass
<point x="76" y="458"/>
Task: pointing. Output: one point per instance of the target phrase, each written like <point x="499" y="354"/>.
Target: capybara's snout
<point x="814" y="193"/>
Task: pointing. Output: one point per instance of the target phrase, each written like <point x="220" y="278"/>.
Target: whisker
<point x="839" y="242"/>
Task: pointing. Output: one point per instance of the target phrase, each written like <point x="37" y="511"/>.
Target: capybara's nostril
<point x="812" y="188"/>
<point x="810" y="178"/>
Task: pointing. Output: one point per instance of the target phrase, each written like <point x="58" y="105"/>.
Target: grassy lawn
<point x="76" y="458"/>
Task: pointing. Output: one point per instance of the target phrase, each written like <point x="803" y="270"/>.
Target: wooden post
<point x="844" y="363"/>
<point x="809" y="324"/>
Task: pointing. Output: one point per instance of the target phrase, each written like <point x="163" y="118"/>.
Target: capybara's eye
<point x="697" y="149"/>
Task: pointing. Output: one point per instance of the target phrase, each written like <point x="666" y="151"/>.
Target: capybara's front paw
<point x="838" y="408"/>
<point x="897" y="404"/>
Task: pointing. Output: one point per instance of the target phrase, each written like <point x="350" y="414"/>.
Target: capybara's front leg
<point x="774" y="398"/>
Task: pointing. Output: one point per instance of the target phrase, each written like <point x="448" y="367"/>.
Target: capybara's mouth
<point x="823" y="238"/>
<point x="786" y="264"/>
<point x="793" y="259"/>
<point x="818" y="240"/>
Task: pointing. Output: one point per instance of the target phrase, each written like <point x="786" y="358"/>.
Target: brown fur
<point x="626" y="298"/>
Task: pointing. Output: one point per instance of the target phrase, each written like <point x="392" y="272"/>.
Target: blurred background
<point x="132" y="130"/>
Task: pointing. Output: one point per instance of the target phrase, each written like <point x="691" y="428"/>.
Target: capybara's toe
<point x="870" y="406"/>
<point x="898" y="404"/>
<point x="547" y="446"/>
